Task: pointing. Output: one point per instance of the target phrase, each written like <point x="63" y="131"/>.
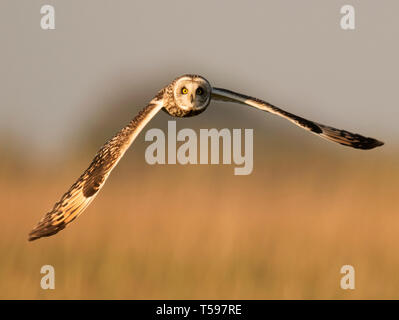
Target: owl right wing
<point x="343" y="137"/>
<point x="85" y="189"/>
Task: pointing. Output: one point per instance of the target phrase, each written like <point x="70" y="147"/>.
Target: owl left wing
<point x="343" y="137"/>
<point x="86" y="188"/>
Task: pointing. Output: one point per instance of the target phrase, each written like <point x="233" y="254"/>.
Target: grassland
<point x="187" y="232"/>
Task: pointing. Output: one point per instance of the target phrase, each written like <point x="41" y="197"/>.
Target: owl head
<point x="190" y="95"/>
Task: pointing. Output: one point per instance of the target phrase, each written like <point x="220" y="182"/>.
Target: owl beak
<point x="191" y="98"/>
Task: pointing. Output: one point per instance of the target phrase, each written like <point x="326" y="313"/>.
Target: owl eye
<point x="199" y="91"/>
<point x="184" y="90"/>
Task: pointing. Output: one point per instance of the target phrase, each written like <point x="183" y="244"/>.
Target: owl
<point x="186" y="96"/>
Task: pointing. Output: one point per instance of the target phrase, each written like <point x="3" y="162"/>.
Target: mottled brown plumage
<point x="343" y="137"/>
<point x="84" y="190"/>
<point x="186" y="96"/>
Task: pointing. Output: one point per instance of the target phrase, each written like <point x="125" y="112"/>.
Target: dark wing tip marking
<point x="366" y="143"/>
<point x="45" y="231"/>
<point x="350" y="139"/>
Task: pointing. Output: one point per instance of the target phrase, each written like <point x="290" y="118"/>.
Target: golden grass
<point x="178" y="232"/>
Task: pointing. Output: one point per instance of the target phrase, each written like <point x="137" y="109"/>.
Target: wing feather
<point x="86" y="188"/>
<point x="343" y="137"/>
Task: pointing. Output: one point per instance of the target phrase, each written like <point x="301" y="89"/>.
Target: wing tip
<point x="44" y="231"/>
<point x="369" y="143"/>
<point x="33" y="238"/>
<point x="35" y="234"/>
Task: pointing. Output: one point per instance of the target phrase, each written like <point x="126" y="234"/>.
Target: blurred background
<point x="284" y="232"/>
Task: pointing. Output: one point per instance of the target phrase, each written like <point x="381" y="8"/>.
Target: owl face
<point x="192" y="94"/>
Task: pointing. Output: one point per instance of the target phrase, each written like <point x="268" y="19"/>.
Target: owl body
<point x="186" y="96"/>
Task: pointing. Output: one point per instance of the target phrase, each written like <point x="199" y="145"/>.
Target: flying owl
<point x="186" y="96"/>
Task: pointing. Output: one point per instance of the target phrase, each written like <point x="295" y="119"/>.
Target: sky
<point x="293" y="54"/>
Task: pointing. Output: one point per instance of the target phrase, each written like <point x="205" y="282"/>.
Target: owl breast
<point x="175" y="111"/>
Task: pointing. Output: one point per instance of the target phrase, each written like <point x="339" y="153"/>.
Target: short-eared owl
<point x="186" y="96"/>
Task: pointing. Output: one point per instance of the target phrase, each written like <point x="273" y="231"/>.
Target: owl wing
<point x="85" y="189"/>
<point x="343" y="137"/>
